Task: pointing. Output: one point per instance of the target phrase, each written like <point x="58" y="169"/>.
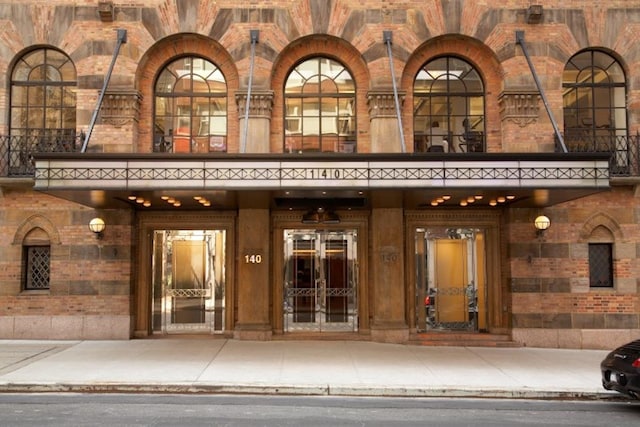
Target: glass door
<point x="188" y="281"/>
<point x="320" y="281"/>
<point x="450" y="279"/>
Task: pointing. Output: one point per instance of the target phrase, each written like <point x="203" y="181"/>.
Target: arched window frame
<point x="594" y="99"/>
<point x="449" y="106"/>
<point x="198" y="125"/>
<point x="320" y="107"/>
<point x="43" y="98"/>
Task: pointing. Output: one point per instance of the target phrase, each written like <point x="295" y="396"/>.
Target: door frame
<point x="488" y="220"/>
<point x="320" y="285"/>
<point x="349" y="220"/>
<point x="147" y="223"/>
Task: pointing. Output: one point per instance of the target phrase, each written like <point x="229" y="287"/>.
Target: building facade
<point x="394" y="171"/>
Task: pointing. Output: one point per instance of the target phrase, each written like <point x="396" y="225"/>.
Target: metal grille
<point x="600" y="265"/>
<point x="37" y="274"/>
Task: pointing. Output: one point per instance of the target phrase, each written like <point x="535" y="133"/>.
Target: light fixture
<point x="320" y="215"/>
<point x="97" y="226"/>
<point x="311" y="217"/>
<point x="541" y="223"/>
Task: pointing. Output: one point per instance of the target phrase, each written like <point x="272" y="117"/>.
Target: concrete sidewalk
<point x="347" y="368"/>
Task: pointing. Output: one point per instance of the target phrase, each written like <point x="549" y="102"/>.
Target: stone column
<point x="387" y="269"/>
<point x="252" y="286"/>
<point x="385" y="134"/>
<point x="260" y="108"/>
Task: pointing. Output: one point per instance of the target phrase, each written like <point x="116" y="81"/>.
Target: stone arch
<point x="163" y="52"/>
<point x="600" y="220"/>
<point x="480" y="56"/>
<point x="36" y="222"/>
<point x="330" y="47"/>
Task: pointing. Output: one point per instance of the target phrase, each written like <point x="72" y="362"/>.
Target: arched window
<point x="43" y="98"/>
<point x="448" y="107"/>
<point x="320" y="113"/>
<point x="36" y="260"/>
<point x="190" y="107"/>
<point x="594" y="97"/>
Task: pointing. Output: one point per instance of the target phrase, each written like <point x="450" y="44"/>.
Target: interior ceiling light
<point x="132" y="197"/>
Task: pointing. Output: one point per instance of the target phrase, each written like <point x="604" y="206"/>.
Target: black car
<point x="621" y="370"/>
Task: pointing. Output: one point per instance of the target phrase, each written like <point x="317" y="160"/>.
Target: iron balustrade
<point x="17" y="151"/>
<point x="624" y="150"/>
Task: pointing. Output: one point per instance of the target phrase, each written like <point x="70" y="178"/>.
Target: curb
<point x="307" y="390"/>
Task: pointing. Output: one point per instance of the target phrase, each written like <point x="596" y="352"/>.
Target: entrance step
<point x="463" y="339"/>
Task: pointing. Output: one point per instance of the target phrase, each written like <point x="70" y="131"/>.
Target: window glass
<point x="600" y="265"/>
<point x="190" y="107"/>
<point x="594" y="100"/>
<point x="37" y="267"/>
<point x="319" y="108"/>
<point x="43" y="84"/>
<point x="448" y="107"/>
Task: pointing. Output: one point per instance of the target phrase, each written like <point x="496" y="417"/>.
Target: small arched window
<point x="594" y="98"/>
<point x="448" y="107"/>
<point x="36" y="260"/>
<point x="190" y="107"/>
<point x="43" y="97"/>
<point x="320" y="112"/>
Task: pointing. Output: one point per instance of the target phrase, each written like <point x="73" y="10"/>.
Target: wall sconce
<point x="97" y="226"/>
<point x="534" y="14"/>
<point x="320" y="216"/>
<point x="541" y="223"/>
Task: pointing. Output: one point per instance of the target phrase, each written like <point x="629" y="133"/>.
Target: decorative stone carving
<point x="521" y="107"/>
<point x="120" y="107"/>
<point x="261" y="104"/>
<point x="383" y="104"/>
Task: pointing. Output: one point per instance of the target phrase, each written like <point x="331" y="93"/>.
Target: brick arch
<point x="33" y="222"/>
<point x="159" y="55"/>
<point x="479" y="56"/>
<point x="600" y="219"/>
<point x="314" y="46"/>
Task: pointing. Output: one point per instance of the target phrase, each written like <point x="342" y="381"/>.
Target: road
<point x="239" y="410"/>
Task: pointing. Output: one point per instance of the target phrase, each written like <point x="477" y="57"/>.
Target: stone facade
<point x="545" y="298"/>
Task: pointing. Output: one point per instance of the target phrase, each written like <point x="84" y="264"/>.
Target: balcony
<point x="624" y="151"/>
<point x="17" y="152"/>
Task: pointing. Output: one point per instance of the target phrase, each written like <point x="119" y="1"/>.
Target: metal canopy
<point x="108" y="180"/>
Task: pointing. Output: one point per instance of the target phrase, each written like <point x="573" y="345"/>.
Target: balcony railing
<point x="17" y="152"/>
<point x="624" y="150"/>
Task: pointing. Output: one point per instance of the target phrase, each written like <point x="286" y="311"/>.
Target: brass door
<point x="450" y="279"/>
<point x="188" y="281"/>
<point x="320" y="281"/>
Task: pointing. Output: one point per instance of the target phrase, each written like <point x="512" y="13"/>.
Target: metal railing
<point x="17" y="151"/>
<point x="624" y="150"/>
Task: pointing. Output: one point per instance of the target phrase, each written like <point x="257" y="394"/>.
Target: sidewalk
<point x="345" y="368"/>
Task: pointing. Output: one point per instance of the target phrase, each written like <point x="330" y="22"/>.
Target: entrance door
<point x="450" y="279"/>
<point x="188" y="281"/>
<point x="320" y="281"/>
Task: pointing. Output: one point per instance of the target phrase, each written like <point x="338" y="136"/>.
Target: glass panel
<point x="600" y="265"/>
<point x="327" y="78"/>
<point x="38" y="261"/>
<point x="188" y="281"/>
<point x="320" y="277"/>
<point x="450" y="279"/>
<point x="294" y="83"/>
<point x="18" y="96"/>
<point x="54" y="96"/>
